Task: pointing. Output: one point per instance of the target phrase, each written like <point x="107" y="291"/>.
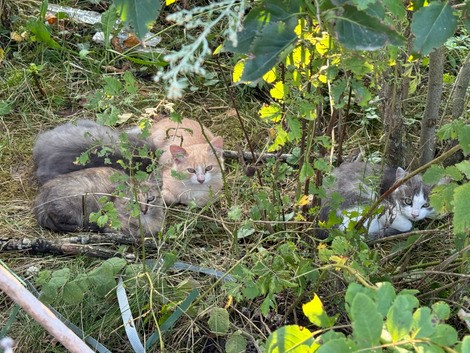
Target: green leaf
<point x="291" y="338"/>
<point x="442" y="197"/>
<point x="442" y="310"/>
<point x="268" y="49"/>
<point x="316" y="314"/>
<point x="445" y="335"/>
<point x="466" y="15"/>
<point x="385" y="297"/>
<point x="219" y="322"/>
<point x="463" y="134"/>
<point x="461" y="220"/>
<point x="236" y="343"/>
<point x="366" y="321"/>
<point x="434" y="174"/>
<point x="114" y="265"/>
<point x="431" y="26"/>
<point x="306" y="172"/>
<point x="139" y="13"/>
<point x="424" y="323"/>
<point x="341" y="345"/>
<point x="72" y="293"/>
<point x="5" y="107"/>
<point x="466" y="344"/>
<point x="464" y="167"/>
<point x="108" y="21"/>
<point x="41" y="34"/>
<point x="399" y="317"/>
<point x="359" y="31"/>
<point x="397" y="8"/>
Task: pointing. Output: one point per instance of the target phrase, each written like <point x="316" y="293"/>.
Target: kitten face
<point x="197" y="165"/>
<point x="412" y="198"/>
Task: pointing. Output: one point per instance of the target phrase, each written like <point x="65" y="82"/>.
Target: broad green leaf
<point x="359" y="31"/>
<point x="454" y="173"/>
<point x="306" y="172"/>
<point x="445" y="335"/>
<point x="466" y="344"/>
<point x="431" y="26"/>
<point x="139" y="13"/>
<point x="115" y="264"/>
<point x="397" y="8"/>
<point x="366" y="321"/>
<point x="219" y="321"/>
<point x="336" y="346"/>
<point x="291" y="338"/>
<point x="354" y="288"/>
<point x="72" y="293"/>
<point x="316" y="313"/>
<point x="399" y="317"/>
<point x="385" y="297"/>
<point x="236" y="343"/>
<point x="424" y="323"/>
<point x="442" y="310"/>
<point x="461" y="220"/>
<point x="269" y="48"/>
<point x="463" y="134"/>
<point x="42" y="34"/>
<point x="59" y="277"/>
<point x="434" y="174"/>
<point x="363" y="4"/>
<point x="464" y="167"/>
<point x="442" y="198"/>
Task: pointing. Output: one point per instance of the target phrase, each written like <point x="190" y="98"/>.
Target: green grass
<point x="62" y="90"/>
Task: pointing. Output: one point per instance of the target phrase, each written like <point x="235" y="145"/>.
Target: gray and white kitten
<point x="64" y="203"/>
<point x="359" y="184"/>
<point x="55" y="151"/>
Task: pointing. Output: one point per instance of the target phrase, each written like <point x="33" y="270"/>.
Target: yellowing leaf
<point x="169" y="2"/>
<point x="278" y="91"/>
<point x="315" y="312"/>
<point x="270" y="76"/>
<point x="299" y="57"/>
<point x="238" y="71"/>
<point x="323" y="45"/>
<point x="270" y="112"/>
<point x="304" y="200"/>
<point x="322" y="78"/>
<point x="280" y="140"/>
<point x="16" y="37"/>
<point x="218" y="49"/>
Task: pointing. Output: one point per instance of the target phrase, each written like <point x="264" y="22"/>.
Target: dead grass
<point x="207" y="240"/>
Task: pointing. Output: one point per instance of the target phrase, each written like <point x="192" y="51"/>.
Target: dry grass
<point x="206" y="240"/>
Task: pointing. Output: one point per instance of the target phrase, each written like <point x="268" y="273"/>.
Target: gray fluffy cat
<point x="64" y="204"/>
<point x="359" y="184"/>
<point x="56" y="150"/>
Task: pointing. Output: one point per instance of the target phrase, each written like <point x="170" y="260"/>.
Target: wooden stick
<point x="39" y="312"/>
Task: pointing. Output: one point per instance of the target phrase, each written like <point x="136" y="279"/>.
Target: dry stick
<point x="39" y="312"/>
<point x="402" y="181"/>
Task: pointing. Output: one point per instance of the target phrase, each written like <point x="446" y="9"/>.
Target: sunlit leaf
<point x="270" y="112"/>
<point x="366" y="321"/>
<point x="291" y="338"/>
<point x="278" y="91"/>
<point x="316" y="313"/>
<point x="270" y="76"/>
<point x="238" y="71"/>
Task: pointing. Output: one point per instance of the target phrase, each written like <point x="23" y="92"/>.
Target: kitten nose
<point x="200" y="180"/>
<point x="144" y="208"/>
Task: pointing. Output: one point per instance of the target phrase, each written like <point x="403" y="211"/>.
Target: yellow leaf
<point x="270" y="112"/>
<point x="218" y="49"/>
<point x="313" y="307"/>
<point x="300" y="57"/>
<point x="16" y="37"/>
<point x="304" y="200"/>
<point x="278" y="91"/>
<point x="169" y="2"/>
<point x="238" y="71"/>
<point x="323" y="45"/>
<point x="270" y="76"/>
<point x="2" y="55"/>
<point x="340" y="260"/>
<point x="322" y="246"/>
<point x="322" y="78"/>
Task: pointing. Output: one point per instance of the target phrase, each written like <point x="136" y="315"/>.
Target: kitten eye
<point x="151" y="199"/>
<point x="209" y="168"/>
<point x="191" y="170"/>
<point x="408" y="201"/>
<point x="426" y="205"/>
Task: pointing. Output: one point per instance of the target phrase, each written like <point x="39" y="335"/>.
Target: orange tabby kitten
<point x="190" y="170"/>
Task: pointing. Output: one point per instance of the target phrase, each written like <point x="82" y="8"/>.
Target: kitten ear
<point x="400" y="173"/>
<point x="178" y="153"/>
<point x="218" y="144"/>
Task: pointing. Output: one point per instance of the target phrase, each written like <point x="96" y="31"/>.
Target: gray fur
<point x="56" y="150"/>
<point x="65" y="203"/>
<point x="359" y="184"/>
